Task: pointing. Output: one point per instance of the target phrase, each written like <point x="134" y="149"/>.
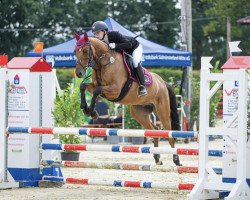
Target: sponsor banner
<point x="166" y="57"/>
<point x="148" y="60"/>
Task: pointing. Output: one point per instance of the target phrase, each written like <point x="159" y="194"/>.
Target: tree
<point x="25" y="21"/>
<point x="203" y="43"/>
<point x="58" y="17"/>
<point x="15" y="15"/>
<point x="222" y="10"/>
<point x="156" y="20"/>
<point x="164" y="24"/>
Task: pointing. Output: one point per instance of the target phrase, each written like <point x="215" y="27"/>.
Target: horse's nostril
<point x="79" y="74"/>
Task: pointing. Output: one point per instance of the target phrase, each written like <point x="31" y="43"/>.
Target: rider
<point x="119" y="42"/>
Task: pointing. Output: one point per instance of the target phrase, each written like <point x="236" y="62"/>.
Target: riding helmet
<point x="99" y="26"/>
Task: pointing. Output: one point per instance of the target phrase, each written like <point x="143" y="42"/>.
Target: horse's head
<point x="84" y="54"/>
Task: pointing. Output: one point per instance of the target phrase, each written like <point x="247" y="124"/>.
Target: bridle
<point x="91" y="60"/>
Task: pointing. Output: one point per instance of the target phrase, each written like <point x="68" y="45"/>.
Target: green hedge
<point x="195" y="101"/>
<point x="169" y="74"/>
<point x="67" y="113"/>
<point x="64" y="76"/>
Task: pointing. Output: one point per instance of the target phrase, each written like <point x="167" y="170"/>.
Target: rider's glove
<point x="112" y="45"/>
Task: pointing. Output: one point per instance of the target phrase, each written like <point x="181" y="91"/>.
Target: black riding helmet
<point x="99" y="26"/>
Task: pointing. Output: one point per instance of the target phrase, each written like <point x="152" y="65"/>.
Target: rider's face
<point x="99" y="34"/>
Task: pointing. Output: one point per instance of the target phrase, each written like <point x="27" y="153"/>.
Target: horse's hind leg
<point x="162" y="110"/>
<point x="141" y="115"/>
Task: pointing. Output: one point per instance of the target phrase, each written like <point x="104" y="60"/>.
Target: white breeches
<point x="137" y="55"/>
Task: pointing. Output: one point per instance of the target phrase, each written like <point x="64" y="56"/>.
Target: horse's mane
<point x="99" y="43"/>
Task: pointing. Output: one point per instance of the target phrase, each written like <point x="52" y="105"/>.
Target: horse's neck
<point x="99" y="46"/>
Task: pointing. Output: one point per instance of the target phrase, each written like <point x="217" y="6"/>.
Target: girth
<point x="124" y="91"/>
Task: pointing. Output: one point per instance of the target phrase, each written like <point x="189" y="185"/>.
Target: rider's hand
<point x="112" y="45"/>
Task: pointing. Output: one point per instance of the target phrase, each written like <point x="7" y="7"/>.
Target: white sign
<point x="18" y="99"/>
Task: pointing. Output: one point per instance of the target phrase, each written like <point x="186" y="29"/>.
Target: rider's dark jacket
<point x="122" y="42"/>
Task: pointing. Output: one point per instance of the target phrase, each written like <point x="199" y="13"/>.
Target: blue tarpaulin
<point x="153" y="54"/>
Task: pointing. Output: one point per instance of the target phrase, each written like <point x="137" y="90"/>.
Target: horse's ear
<point x="77" y="36"/>
<point x="86" y="38"/>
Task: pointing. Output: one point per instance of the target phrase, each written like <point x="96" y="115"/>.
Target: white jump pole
<point x="6" y="180"/>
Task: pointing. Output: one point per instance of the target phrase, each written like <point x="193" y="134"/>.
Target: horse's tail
<point x="175" y="121"/>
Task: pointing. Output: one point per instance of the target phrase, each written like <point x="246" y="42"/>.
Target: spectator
<point x="118" y="117"/>
<point x="102" y="109"/>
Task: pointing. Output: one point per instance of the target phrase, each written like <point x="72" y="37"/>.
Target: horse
<point x="109" y="77"/>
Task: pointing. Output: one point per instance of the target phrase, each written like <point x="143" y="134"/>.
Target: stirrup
<point x="142" y="91"/>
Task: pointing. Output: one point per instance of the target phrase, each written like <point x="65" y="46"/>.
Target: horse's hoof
<point x="159" y="163"/>
<point x="86" y="113"/>
<point x="94" y="115"/>
<point x="178" y="164"/>
<point x="84" y="108"/>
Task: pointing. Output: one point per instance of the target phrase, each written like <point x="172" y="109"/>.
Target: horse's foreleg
<point x="84" y="105"/>
<point x="97" y="91"/>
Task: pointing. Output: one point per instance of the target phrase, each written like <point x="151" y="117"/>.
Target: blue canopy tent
<point x="153" y="54"/>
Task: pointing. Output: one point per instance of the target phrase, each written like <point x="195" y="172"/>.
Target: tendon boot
<point x="157" y="159"/>
<point x="142" y="91"/>
<point x="176" y="160"/>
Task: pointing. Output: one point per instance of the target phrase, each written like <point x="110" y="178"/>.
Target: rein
<point x="86" y="78"/>
<point x="111" y="59"/>
<point x="92" y="62"/>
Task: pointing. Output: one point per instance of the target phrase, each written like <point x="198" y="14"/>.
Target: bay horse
<point x="109" y="76"/>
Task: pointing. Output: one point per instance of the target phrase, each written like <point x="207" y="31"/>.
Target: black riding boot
<point x="142" y="91"/>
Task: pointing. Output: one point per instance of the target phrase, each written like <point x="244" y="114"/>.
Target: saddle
<point x="128" y="62"/>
